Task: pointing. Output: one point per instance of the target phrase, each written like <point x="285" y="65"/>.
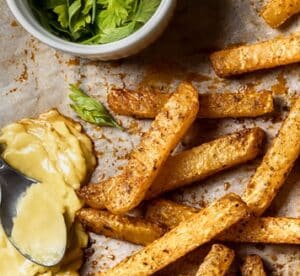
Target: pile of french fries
<point x="170" y="230"/>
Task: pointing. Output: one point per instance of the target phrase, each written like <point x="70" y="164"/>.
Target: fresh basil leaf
<point x="89" y="109"/>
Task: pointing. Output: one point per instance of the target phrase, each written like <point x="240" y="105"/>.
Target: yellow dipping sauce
<point x="55" y="151"/>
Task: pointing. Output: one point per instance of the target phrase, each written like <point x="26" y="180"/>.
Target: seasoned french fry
<point x="217" y="262"/>
<point x="147" y="104"/>
<point x="276" y="12"/>
<point x="278" y="230"/>
<point x="276" y="164"/>
<point x="135" y="230"/>
<point x="253" y="266"/>
<point x="194" y="164"/>
<point x="262" y="55"/>
<point x="167" y="212"/>
<point x="140" y="104"/>
<point x="125" y="191"/>
<point x="207" y="159"/>
<point x="255" y="230"/>
<point x="183" y="238"/>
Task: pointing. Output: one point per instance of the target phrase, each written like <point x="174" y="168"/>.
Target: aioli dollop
<point x="54" y="150"/>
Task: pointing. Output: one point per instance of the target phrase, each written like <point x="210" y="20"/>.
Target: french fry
<point x="253" y="266"/>
<point x="132" y="229"/>
<point x="125" y="191"/>
<point x="147" y="104"/>
<point x="194" y="164"/>
<point x="207" y="159"/>
<point x="262" y="55"/>
<point x="167" y="212"/>
<point x="276" y="12"/>
<point x="183" y="238"/>
<point x="276" y="164"/>
<point x="277" y="230"/>
<point x="217" y="262"/>
<point x="140" y="104"/>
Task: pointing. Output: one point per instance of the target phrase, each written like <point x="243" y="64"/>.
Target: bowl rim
<point x="31" y="25"/>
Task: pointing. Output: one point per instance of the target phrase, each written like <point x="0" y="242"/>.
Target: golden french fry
<point x="276" y="164"/>
<point x="183" y="238"/>
<point x="167" y="212"/>
<point x="217" y="262"/>
<point x="194" y="164"/>
<point x="253" y="266"/>
<point x="255" y="230"/>
<point x="207" y="159"/>
<point x="261" y="55"/>
<point x="147" y="104"/>
<point x="140" y="104"/>
<point x="276" y="12"/>
<point x="132" y="229"/>
<point x="125" y="191"/>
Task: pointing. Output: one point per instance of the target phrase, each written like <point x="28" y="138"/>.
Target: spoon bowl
<point x="13" y="186"/>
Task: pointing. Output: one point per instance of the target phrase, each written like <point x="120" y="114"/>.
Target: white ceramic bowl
<point x="110" y="51"/>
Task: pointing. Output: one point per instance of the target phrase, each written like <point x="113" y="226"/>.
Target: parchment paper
<point x="34" y="78"/>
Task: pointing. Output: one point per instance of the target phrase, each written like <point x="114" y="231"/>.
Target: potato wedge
<point x="276" y="12"/>
<point x="277" y="230"/>
<point x="253" y="266"/>
<point x="125" y="191"/>
<point x="147" y="104"/>
<point x="217" y="261"/>
<point x="135" y="230"/>
<point x="207" y="159"/>
<point x="183" y="238"/>
<point x="194" y="164"/>
<point x="276" y="164"/>
<point x="261" y="55"/>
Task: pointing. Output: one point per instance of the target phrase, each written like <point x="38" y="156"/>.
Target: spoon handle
<point x="3" y="165"/>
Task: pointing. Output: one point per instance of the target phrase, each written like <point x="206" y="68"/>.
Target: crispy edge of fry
<point x="253" y="266"/>
<point x="261" y="55"/>
<point x="276" y="12"/>
<point x="184" y="238"/>
<point x="121" y="193"/>
<point x="146" y="104"/>
<point x="279" y="230"/>
<point x="200" y="162"/>
<point x="276" y="164"/>
<point x="132" y="229"/>
<point x="217" y="261"/>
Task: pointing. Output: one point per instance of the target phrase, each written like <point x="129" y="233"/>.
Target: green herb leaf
<point x="93" y="21"/>
<point x="63" y="16"/>
<point x="90" y="110"/>
<point x="114" y="16"/>
<point x="145" y="10"/>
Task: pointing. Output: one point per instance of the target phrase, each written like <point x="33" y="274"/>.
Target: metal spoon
<point x="13" y="184"/>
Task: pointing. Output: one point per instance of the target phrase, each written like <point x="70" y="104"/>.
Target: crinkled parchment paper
<point x="34" y="78"/>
